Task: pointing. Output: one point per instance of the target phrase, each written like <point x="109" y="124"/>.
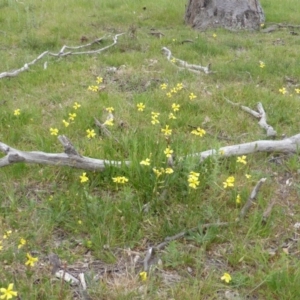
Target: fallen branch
<point x="261" y="115"/>
<point x="70" y="158"/>
<point x="62" y="53"/>
<point x="191" y="67"/>
<point x="288" y="145"/>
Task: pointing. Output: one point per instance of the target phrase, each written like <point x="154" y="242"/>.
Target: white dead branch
<point x="62" y="53"/>
<point x="288" y="145"/>
<point x="70" y="158"/>
<point x="261" y="115"/>
<point x="191" y="67"/>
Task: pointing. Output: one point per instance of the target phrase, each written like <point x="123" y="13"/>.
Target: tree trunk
<point x="230" y="14"/>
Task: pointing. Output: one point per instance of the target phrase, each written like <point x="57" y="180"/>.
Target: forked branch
<point x="62" y="53"/>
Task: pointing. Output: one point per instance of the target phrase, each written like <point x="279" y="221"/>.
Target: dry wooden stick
<point x="191" y="67"/>
<point x="261" y="115"/>
<point x="69" y="158"/>
<point x="251" y="199"/>
<point x="62" y="53"/>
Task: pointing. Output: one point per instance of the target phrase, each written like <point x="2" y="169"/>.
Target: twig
<point x="261" y="115"/>
<point x="62" y="53"/>
<point x="191" y="67"/>
<point x="268" y="211"/>
<point x="251" y="199"/>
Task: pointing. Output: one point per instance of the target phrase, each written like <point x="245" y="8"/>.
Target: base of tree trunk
<point x="230" y="14"/>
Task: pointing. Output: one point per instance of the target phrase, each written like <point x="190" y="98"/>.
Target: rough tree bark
<point x="230" y="14"/>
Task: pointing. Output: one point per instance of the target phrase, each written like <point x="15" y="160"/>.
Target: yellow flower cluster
<point x="154" y="116"/>
<point x="120" y="179"/>
<point x="145" y="162"/>
<point x="226" y="277"/>
<point x="161" y="171"/>
<point x="229" y="182"/>
<point x="283" y="91"/>
<point x="199" y="131"/>
<point x="193" y="179"/>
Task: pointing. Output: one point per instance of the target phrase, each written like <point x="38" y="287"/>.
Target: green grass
<point x="102" y="222"/>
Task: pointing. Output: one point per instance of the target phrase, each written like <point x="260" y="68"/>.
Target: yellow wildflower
<point x="158" y="172"/>
<point x="99" y="80"/>
<point x="93" y="88"/>
<point x="229" y="182"/>
<point x="261" y="64"/>
<point x="179" y="86"/>
<point x="83" y="177"/>
<point x="31" y="260"/>
<point x="145" y="162"/>
<point x="169" y="95"/>
<point x="168" y="152"/>
<point x="76" y="105"/>
<point x="65" y="123"/>
<point x="21" y="243"/>
<point x="140" y="106"/>
<point x="192" y="96"/>
<point x="53" y="131"/>
<point x="166" y="131"/>
<point x="109" y="122"/>
<point x="199" y="131"/>
<point x="282" y="91"/>
<point x="154" y="121"/>
<point x="297" y="91"/>
<point x="109" y="109"/>
<point x="226" y="277"/>
<point x="173" y="60"/>
<point x="120" y="179"/>
<point x="163" y="86"/>
<point x="169" y="171"/>
<point x="8" y="293"/>
<point x="214" y="35"/>
<point x="242" y="159"/>
<point x="171" y="116"/>
<point x="238" y="199"/>
<point x="248" y="176"/>
<point x="7" y="234"/>
<point x="143" y="276"/>
<point x="17" y="112"/>
<point x="175" y="107"/>
<point x="72" y="116"/>
<point x="193" y="179"/>
<point x="90" y="133"/>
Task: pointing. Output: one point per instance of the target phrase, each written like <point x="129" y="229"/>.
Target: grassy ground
<point x="105" y="224"/>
